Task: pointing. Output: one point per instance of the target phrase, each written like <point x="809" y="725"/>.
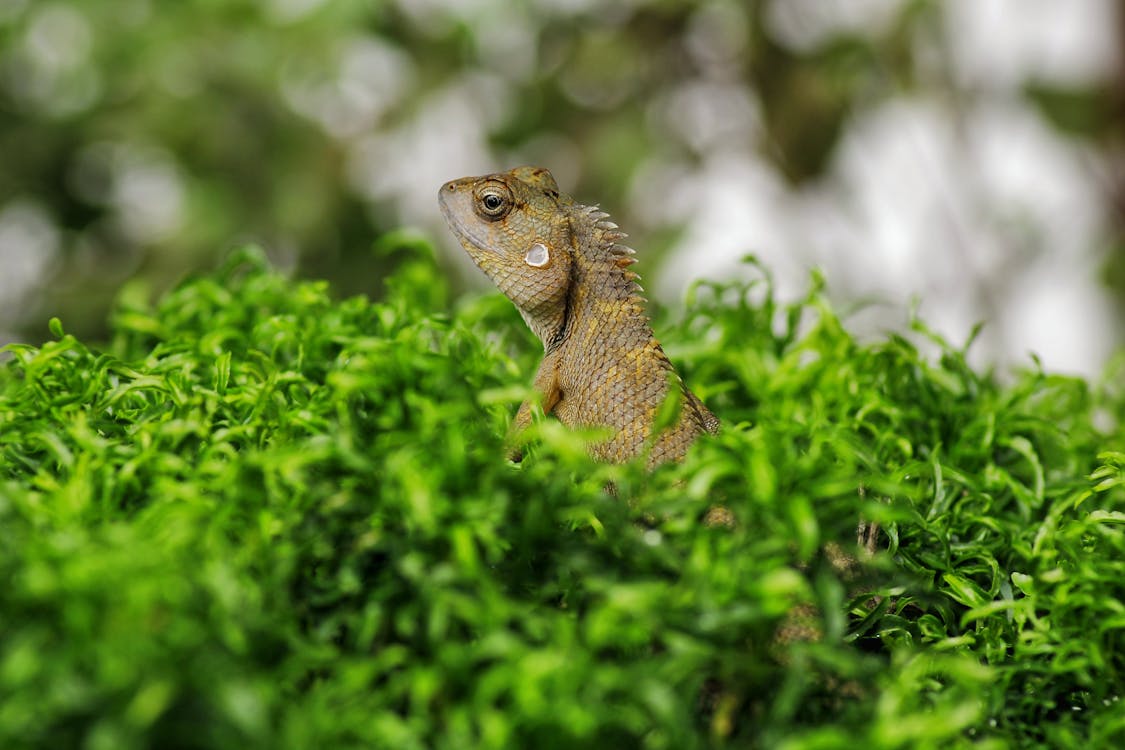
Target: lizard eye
<point x="494" y="202"/>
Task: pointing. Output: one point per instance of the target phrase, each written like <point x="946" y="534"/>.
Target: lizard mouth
<point x="454" y="208"/>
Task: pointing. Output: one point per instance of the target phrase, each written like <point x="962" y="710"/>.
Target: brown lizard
<point x="563" y="266"/>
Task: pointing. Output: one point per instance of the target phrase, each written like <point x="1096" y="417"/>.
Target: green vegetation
<point x="137" y="138"/>
<point x="264" y="518"/>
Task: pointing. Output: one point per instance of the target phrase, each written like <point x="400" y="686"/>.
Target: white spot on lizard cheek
<point x="537" y="255"/>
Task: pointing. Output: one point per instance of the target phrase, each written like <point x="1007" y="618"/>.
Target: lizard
<point x="563" y="266"/>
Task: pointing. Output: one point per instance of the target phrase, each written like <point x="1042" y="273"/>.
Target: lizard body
<point x="563" y="266"/>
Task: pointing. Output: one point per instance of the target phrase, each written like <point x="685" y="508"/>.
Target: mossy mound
<point x="261" y="517"/>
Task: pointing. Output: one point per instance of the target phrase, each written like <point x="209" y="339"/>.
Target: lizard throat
<point x="562" y="328"/>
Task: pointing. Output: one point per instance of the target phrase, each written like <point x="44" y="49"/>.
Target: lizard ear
<point x="538" y="256"/>
<point x="537" y="176"/>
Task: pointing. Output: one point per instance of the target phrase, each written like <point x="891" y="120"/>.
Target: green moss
<point x="264" y="518"/>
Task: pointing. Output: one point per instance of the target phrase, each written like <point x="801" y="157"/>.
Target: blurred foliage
<point x="148" y="135"/>
<point x="263" y="518"/>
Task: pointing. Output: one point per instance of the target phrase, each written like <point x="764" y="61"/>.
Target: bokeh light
<point x="965" y="154"/>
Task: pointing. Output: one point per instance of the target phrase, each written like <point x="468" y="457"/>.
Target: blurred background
<point x="969" y="154"/>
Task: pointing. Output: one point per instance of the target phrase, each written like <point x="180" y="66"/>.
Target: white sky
<point x="983" y="213"/>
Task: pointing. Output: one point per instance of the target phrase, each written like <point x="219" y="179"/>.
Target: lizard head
<point x="516" y="227"/>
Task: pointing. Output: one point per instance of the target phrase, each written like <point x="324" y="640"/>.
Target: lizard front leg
<point x="547" y="384"/>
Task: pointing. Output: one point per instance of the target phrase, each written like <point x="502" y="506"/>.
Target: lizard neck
<point x="603" y="306"/>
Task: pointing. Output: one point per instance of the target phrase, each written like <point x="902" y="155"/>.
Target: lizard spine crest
<point x="608" y="261"/>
